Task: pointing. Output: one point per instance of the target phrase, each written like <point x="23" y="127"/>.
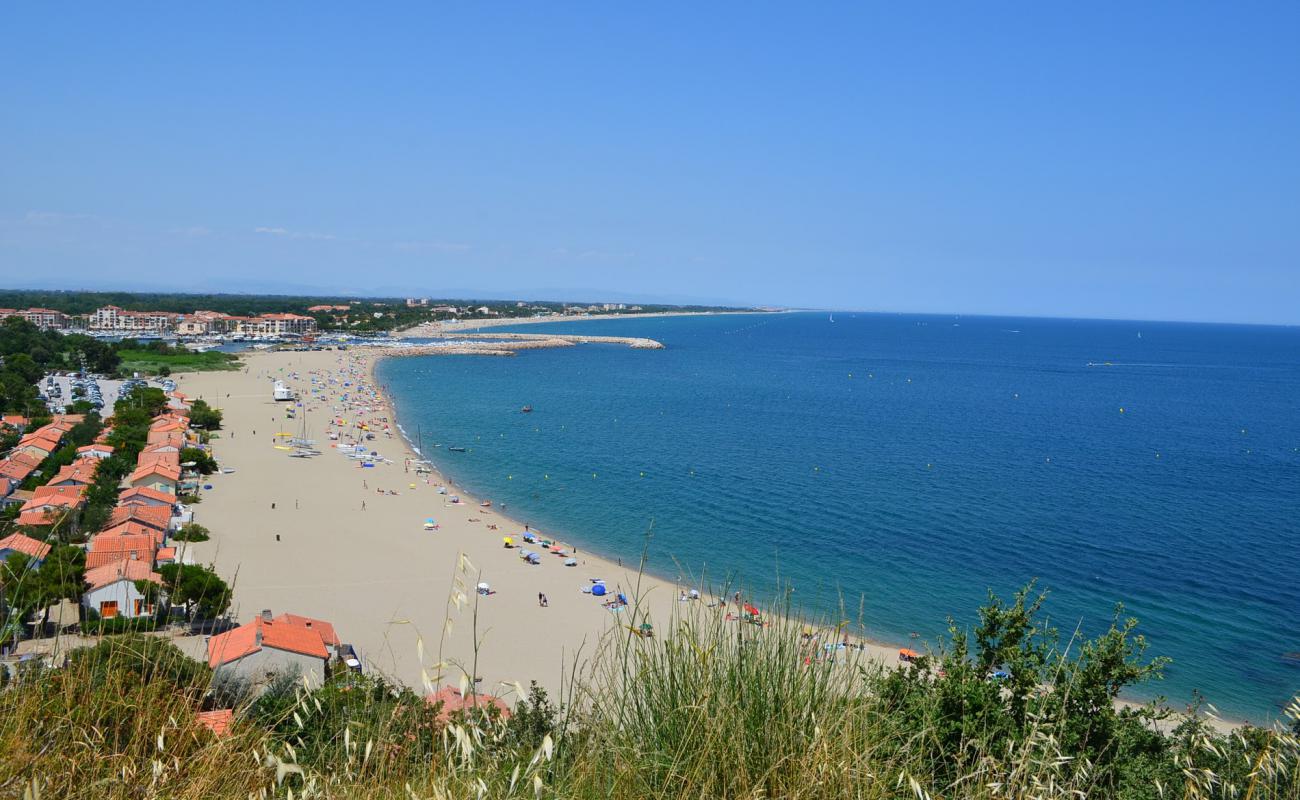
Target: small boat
<point x="526" y="410"/>
<point x="456" y="449"/>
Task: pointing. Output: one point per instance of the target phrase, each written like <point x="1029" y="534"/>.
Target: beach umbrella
<point x="622" y="598"/>
<point x="598" y="590"/>
<point x="557" y="549"/>
<point x="645" y="626"/>
<point x="751" y="610"/>
<point x="572" y="562"/>
<point x="508" y="541"/>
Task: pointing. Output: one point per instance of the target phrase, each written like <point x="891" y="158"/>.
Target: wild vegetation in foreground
<point x="709" y="709"/>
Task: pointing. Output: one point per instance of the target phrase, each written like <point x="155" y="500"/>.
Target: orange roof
<point x="325" y="629"/>
<point x="38" y="516"/>
<point x="161" y="470"/>
<point x="121" y="570"/>
<point x="98" y="447"/>
<point x="452" y="701"/>
<point x="173" y="438"/>
<point x="279" y="634"/>
<point x="14" y="420"/>
<point x="96" y="560"/>
<point x="16" y="469"/>
<point x="62" y="496"/>
<point x="167" y="458"/>
<point x="139" y="494"/>
<point x="165" y="554"/>
<point x="80" y="471"/>
<point x="216" y="721"/>
<point x="131" y="528"/>
<point x="137" y="543"/>
<point x="156" y="517"/>
<point x="25" y="544"/>
<point x="47" y="441"/>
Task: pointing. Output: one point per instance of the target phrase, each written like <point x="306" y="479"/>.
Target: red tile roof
<point x="81" y="471"/>
<point x="38" y="516"/>
<point x="141" y="494"/>
<point x="156" y="517"/>
<point x="132" y="528"/>
<point x="160" y="470"/>
<point x="167" y="554"/>
<point x="217" y="721"/>
<point x="16" y="468"/>
<point x="452" y="701"/>
<point x="325" y="629"/>
<point x="119" y="570"/>
<point x="25" y="544"/>
<point x="56" y="496"/>
<point x="278" y="634"/>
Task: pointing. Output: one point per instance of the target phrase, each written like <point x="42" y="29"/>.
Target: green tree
<point x="204" y="416"/>
<point x="24" y="367"/>
<point x="199" y="589"/>
<point x="202" y="459"/>
<point x="192" y="532"/>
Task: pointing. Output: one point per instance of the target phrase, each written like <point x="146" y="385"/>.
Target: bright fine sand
<point x="377" y="574"/>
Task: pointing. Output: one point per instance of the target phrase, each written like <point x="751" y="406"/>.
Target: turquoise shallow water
<point x="904" y="465"/>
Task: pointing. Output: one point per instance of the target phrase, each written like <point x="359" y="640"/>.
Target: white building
<point x="111" y="590"/>
<point x="286" y="645"/>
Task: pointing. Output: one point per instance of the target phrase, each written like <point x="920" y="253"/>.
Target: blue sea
<point x="893" y="469"/>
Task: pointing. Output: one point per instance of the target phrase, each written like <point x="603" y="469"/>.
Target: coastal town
<point x="122" y="514"/>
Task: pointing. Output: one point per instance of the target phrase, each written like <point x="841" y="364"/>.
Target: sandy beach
<point x="329" y="538"/>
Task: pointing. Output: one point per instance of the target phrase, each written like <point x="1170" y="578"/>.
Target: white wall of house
<point x="123" y="593"/>
<point x="257" y="667"/>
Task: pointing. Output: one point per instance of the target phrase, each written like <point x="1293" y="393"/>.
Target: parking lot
<point x="59" y="391"/>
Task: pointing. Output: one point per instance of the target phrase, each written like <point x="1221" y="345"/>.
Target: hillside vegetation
<point x="709" y="709"/>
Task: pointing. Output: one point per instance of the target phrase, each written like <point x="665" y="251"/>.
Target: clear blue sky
<point x="1118" y="159"/>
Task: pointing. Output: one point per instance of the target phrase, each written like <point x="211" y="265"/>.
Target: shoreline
<point x="873" y="646"/>
<point x="324" y="537"/>
<point x="543" y="643"/>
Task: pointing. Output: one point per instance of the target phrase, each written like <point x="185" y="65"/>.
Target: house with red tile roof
<point x="453" y="701"/>
<point x="266" y="647"/>
<point x="165" y="555"/>
<point x="218" y="721"/>
<point x="50" y="503"/>
<point x="79" y="473"/>
<point x="162" y="477"/>
<point x="132" y="528"/>
<point x="111" y="589"/>
<point x="155" y="517"/>
<point x="40" y="442"/>
<point x="165" y="437"/>
<point x="16" y="421"/>
<point x="17" y="466"/>
<point x="18" y="543"/>
<point x="95" y="450"/>
<point x="145" y="496"/>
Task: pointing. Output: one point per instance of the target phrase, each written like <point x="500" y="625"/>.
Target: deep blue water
<point x="904" y="465"/>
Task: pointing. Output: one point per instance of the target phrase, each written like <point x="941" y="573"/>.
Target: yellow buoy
<point x="1121" y="409"/>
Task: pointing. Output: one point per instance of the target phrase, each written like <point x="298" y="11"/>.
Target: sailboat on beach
<point x="302" y="446"/>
